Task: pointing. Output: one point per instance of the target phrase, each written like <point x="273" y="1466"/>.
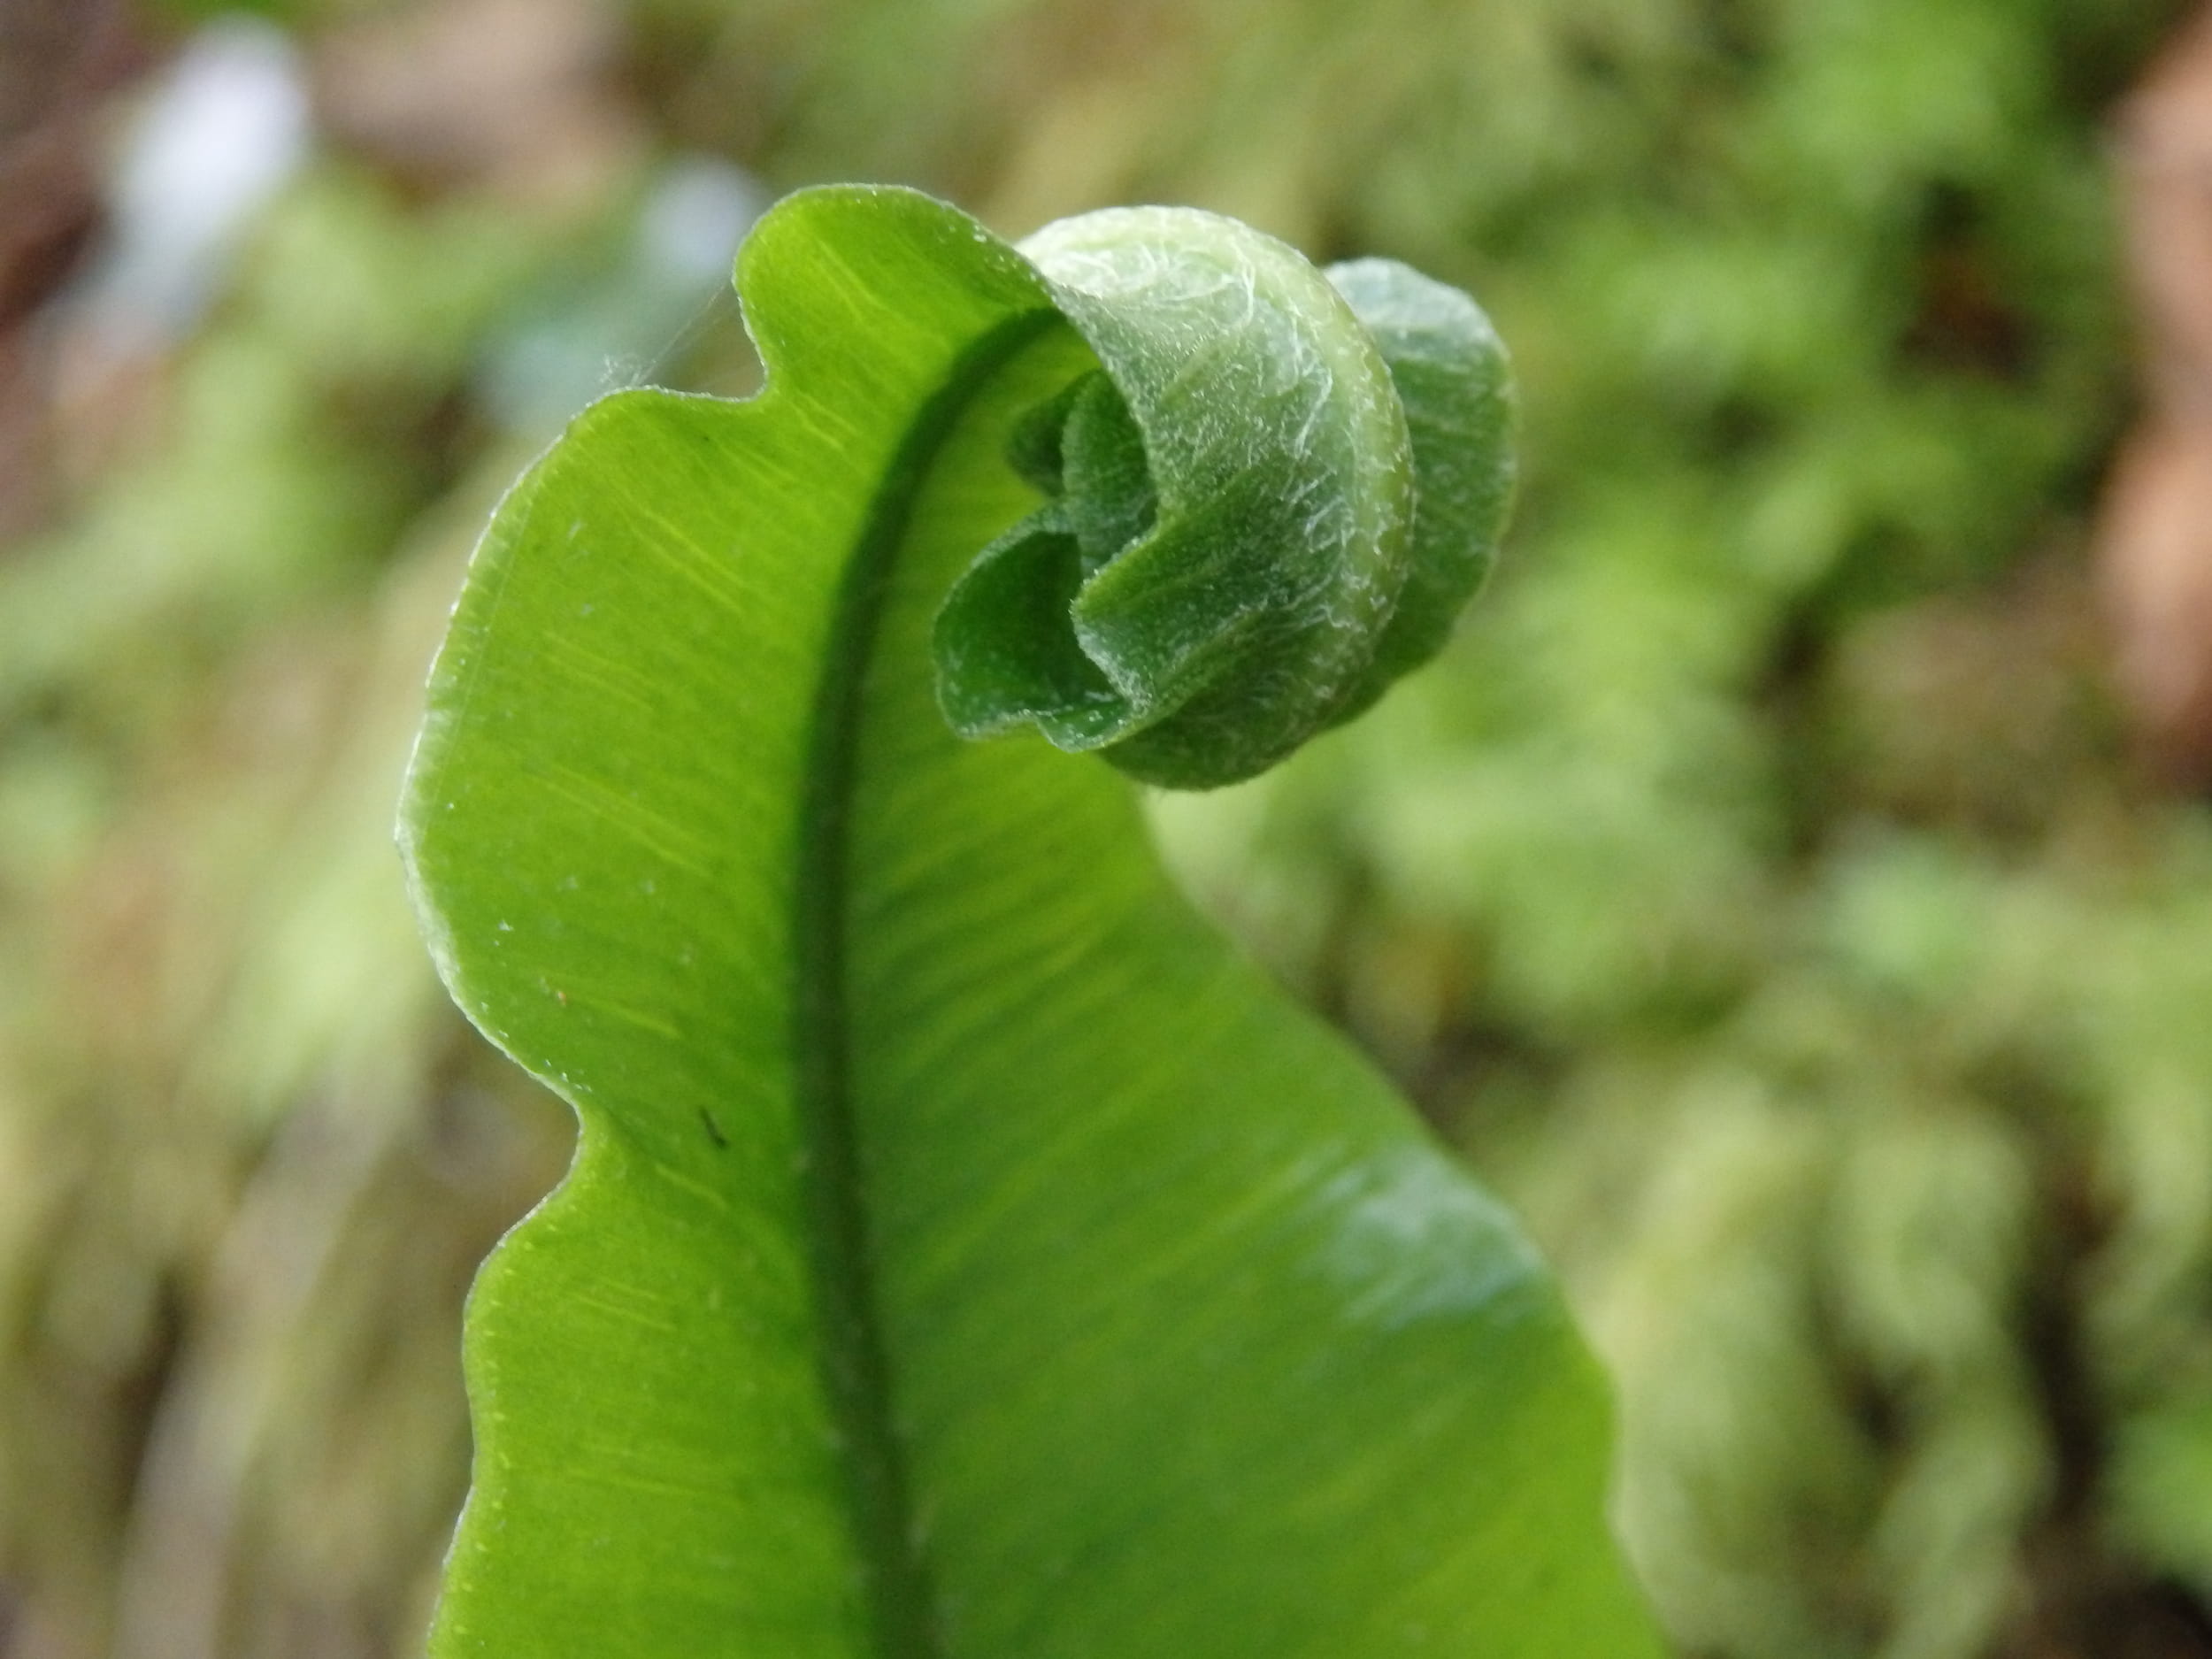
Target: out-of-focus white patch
<point x="219" y="136"/>
<point x="695" y="216"/>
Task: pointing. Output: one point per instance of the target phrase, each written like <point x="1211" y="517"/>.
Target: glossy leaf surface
<point x="965" y="1255"/>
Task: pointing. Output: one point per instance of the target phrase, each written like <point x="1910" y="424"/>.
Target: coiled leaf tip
<point x="1268" y="501"/>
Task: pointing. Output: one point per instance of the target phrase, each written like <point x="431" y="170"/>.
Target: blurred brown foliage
<point x="2158" y="529"/>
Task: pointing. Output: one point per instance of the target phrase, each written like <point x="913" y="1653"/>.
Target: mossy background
<point x="1768" y="890"/>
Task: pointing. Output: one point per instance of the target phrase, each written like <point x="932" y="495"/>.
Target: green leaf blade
<point x="966" y="1256"/>
<point x="1186" y="1313"/>
<point x="603" y="826"/>
<point x="606" y="934"/>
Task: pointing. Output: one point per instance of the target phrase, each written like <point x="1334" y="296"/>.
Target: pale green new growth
<point x="1272" y="502"/>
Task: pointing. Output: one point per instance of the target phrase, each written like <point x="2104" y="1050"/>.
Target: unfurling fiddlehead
<point x="1268" y="503"/>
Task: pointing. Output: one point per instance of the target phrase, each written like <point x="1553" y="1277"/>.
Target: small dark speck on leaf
<point x="714" y="1130"/>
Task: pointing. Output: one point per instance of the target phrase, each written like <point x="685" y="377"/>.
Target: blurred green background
<point x="1793" y="888"/>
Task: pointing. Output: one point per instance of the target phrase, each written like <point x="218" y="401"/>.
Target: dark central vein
<point x="856" y="1369"/>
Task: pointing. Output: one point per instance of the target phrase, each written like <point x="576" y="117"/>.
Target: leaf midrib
<point x="897" y="1592"/>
